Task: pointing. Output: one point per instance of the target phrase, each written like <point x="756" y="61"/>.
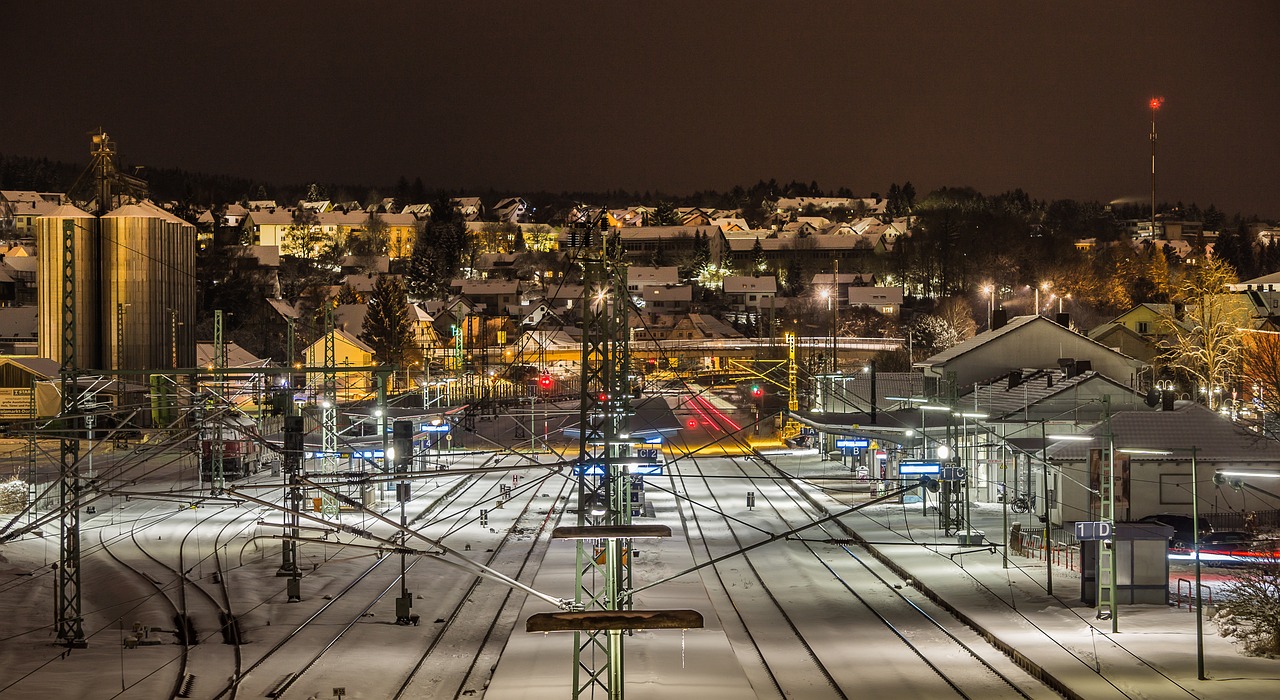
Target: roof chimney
<point x="1015" y="378"/>
<point x="999" y="318"/>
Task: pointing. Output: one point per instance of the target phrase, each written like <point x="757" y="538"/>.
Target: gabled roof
<point x="18" y="322"/>
<point x="740" y="284"/>
<point x="1215" y="438"/>
<point x="346" y="337"/>
<point x="980" y="339"/>
<point x="653" y="275"/>
<point x="674" y="293"/>
<point x="284" y="308"/>
<point x="41" y="367"/>
<point x="1004" y="398"/>
<point x="236" y="356"/>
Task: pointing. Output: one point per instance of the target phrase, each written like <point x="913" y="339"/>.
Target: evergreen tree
<point x="388" y="325"/>
<point x="701" y="251"/>
<point x="758" y="261"/>
<point x="439" y="250"/>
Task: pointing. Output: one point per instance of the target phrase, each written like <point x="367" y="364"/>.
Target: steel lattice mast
<point x="68" y="620"/>
<point x="603" y="574"/>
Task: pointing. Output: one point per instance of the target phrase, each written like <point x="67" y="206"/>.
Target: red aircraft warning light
<point x="1156" y="102"/>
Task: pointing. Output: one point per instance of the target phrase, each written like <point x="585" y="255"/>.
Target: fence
<point x="1032" y="545"/>
<point x="1245" y="520"/>
<point x="1190" y="597"/>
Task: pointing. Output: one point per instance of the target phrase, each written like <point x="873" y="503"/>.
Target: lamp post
<point x="990" y="290"/>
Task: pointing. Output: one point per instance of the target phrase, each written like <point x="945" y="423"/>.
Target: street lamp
<point x="990" y="291"/>
<point x="1195" y="545"/>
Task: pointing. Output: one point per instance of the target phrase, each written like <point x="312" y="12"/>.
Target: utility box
<point x="1142" y="565"/>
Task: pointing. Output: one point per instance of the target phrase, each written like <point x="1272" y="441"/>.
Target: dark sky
<point x="677" y="96"/>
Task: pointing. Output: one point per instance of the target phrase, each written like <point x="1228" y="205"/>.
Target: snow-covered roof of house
<point x="739" y="284"/>
<point x="681" y="292"/>
<point x="1215" y="438"/>
<point x="236" y="356"/>
<point x="653" y="275"/>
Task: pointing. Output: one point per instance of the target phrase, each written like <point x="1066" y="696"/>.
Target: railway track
<point x="297" y="662"/>
<point x="885" y="619"/>
<point x="955" y="660"/>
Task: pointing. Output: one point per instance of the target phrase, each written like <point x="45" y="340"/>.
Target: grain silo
<point x="50" y="231"/>
<point x="148" y="289"/>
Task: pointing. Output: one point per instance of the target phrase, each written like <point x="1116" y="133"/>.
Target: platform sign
<point x="649" y="453"/>
<point x="853" y="443"/>
<point x="430" y="428"/>
<point x="914" y="467"/>
<point x="1093" y="530"/>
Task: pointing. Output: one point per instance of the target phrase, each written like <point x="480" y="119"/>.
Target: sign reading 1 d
<point x="1093" y="530"/>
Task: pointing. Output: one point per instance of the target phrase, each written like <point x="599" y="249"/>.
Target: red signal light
<point x="545" y="381"/>
<point x="1156" y="102"/>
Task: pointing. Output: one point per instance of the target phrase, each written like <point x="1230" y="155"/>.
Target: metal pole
<point x="1195" y="549"/>
<point x="1044" y="487"/>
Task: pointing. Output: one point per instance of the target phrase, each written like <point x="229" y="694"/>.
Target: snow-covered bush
<point x="13" y="496"/>
<point x="1249" y="610"/>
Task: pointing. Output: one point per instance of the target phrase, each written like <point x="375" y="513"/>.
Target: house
<point x="1263" y="294"/>
<point x="699" y="327"/>
<point x="512" y="210"/>
<point x="491" y="296"/>
<point x="1189" y="437"/>
<point x="349" y="351"/>
<point x="240" y="389"/>
<point x="19" y="377"/>
<point x="470" y="208"/>
<point x="268" y="227"/>
<point x="563" y="299"/>
<point x="843" y="283"/>
<point x="19" y="210"/>
<point x="669" y="302"/>
<point x="19" y="329"/>
<point x="639" y="277"/>
<point x="1033" y="342"/>
<point x="22" y="269"/>
<point x="746" y="295"/>
<point x="886" y="300"/>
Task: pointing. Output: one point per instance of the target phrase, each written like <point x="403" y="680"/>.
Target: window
<point x="1143" y="327"/>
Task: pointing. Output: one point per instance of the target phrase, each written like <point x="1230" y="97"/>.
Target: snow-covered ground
<point x="747" y="647"/>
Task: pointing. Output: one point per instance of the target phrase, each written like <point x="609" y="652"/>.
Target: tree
<point x="439" y="250"/>
<point x="1249" y="609"/>
<point x="388" y="325"/>
<point x="957" y="312"/>
<point x="1261" y="354"/>
<point x="1206" y="342"/>
<point x="664" y="214"/>
<point x="758" y="262"/>
<point x="304" y="238"/>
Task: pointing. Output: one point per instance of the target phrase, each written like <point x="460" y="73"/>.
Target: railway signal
<point x="402" y="436"/>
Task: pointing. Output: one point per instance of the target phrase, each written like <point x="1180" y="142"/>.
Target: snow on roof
<point x="737" y="284"/>
<point x="1215" y="438"/>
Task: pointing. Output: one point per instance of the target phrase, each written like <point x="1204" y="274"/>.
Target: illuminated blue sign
<point x="429" y="428"/>
<point x="913" y="467"/>
<point x="854" y="443"/>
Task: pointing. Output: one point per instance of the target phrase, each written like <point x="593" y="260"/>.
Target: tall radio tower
<point x="1155" y="106"/>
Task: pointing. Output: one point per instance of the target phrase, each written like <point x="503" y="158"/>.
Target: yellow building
<point x="348" y="351"/>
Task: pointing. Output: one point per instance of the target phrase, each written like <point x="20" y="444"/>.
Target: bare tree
<point x="1249" y="609"/>
<point x="1206" y="342"/>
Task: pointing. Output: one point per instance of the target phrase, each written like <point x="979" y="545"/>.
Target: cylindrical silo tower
<point x="148" y="285"/>
<point x="84" y="230"/>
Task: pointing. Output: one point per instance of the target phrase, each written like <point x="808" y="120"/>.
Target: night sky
<point x="671" y="96"/>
